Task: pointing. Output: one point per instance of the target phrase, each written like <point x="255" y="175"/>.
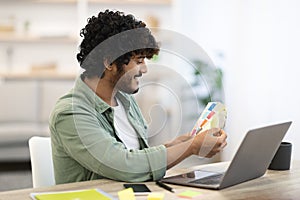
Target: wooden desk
<point x="273" y="185"/>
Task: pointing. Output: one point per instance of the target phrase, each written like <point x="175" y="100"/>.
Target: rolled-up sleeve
<point x="157" y="161"/>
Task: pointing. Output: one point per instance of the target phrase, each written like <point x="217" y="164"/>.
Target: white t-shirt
<point x="124" y="129"/>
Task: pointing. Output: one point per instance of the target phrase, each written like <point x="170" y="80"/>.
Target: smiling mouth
<point x="137" y="76"/>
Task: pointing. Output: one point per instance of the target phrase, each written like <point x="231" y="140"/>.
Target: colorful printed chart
<point x="213" y="116"/>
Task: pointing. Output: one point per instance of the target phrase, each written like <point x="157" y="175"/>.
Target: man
<point x="97" y="129"/>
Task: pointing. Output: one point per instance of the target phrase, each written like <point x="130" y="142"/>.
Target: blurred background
<point x="245" y="53"/>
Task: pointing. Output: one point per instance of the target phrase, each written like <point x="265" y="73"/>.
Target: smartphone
<point x="138" y="189"/>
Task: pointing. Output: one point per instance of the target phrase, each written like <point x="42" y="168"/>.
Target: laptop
<point x="251" y="161"/>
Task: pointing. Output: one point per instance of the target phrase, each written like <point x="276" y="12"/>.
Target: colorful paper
<point x="213" y="116"/>
<point x="91" y="194"/>
<point x="126" y="194"/>
<point x="189" y="194"/>
<point x="156" y="196"/>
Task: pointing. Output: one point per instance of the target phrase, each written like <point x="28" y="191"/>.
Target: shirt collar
<point x="91" y="98"/>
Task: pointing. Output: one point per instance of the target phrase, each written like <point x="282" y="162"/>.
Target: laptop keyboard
<point x="210" y="180"/>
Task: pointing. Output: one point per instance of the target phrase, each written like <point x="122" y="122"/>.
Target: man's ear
<point x="107" y="64"/>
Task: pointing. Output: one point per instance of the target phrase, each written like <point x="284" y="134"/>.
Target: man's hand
<point x="209" y="142"/>
<point x="205" y="144"/>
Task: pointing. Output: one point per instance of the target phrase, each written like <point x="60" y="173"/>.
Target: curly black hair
<point x="115" y="37"/>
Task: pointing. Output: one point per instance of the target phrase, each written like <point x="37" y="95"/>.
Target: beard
<point x="127" y="89"/>
<point x="128" y="83"/>
<point x="135" y="91"/>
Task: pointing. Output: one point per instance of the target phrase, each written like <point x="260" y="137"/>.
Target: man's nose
<point x="144" y="68"/>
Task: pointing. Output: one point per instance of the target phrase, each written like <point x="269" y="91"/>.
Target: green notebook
<point x="91" y="194"/>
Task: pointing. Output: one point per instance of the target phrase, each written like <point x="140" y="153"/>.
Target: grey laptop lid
<point x="251" y="160"/>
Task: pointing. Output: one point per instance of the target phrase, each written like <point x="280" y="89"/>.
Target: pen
<point x="160" y="184"/>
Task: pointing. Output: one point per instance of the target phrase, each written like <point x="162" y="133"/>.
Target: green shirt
<point x="85" y="146"/>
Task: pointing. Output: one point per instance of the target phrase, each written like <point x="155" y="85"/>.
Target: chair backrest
<point x="41" y="161"/>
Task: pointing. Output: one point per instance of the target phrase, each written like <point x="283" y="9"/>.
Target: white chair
<point x="41" y="161"/>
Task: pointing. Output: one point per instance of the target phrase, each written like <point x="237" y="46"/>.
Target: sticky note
<point x="204" y="122"/>
<point x="194" y="131"/>
<point x="126" y="194"/>
<point x="156" y="196"/>
<point x="90" y="194"/>
<point x="212" y="106"/>
<point x="189" y="194"/>
<point x="210" y="114"/>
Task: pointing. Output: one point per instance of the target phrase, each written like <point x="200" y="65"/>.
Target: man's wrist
<point x="167" y="145"/>
<point x="191" y="147"/>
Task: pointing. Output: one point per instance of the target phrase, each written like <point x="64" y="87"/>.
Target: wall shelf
<point x="118" y="2"/>
<point x="12" y="38"/>
<point x="37" y="76"/>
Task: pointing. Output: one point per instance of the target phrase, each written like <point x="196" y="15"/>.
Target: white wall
<point x="260" y="42"/>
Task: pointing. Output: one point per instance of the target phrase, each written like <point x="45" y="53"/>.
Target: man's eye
<point x="140" y="62"/>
